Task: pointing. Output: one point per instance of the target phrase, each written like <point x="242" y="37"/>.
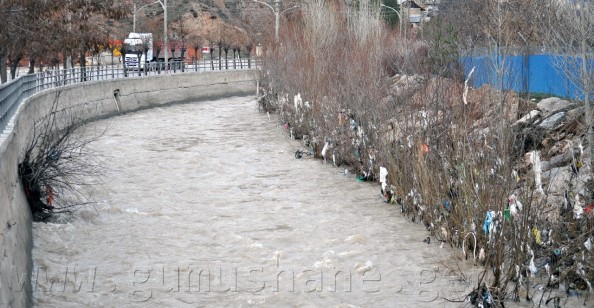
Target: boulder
<point x="582" y="182"/>
<point x="552" y="104"/>
<point x="541" y="133"/>
<point x="558" y="179"/>
<point x="557" y="161"/>
<point x="558" y="148"/>
<point x="529" y="118"/>
<point x="553" y="201"/>
<point x="574" y="113"/>
<point x="552" y="121"/>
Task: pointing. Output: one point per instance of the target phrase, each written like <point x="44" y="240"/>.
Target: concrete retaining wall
<point x="96" y="100"/>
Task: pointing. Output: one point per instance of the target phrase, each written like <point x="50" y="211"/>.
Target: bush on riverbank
<point x="58" y="170"/>
<point x="464" y="162"/>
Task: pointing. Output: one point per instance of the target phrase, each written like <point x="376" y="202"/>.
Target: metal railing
<point x="14" y="92"/>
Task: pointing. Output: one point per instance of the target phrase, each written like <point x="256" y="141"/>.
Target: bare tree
<point x="449" y="149"/>
<point x="155" y="26"/>
<point x="195" y="42"/>
<point x="572" y="37"/>
<point x="69" y="26"/>
<point x="183" y="37"/>
<point x="58" y="166"/>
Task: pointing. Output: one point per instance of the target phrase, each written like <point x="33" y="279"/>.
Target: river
<point x="204" y="204"/>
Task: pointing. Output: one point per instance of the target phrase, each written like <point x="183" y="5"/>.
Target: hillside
<point x="207" y="20"/>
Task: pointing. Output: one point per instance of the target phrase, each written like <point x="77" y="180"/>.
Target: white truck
<point x="138" y="46"/>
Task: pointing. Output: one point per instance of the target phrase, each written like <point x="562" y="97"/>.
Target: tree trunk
<point x="55" y="62"/>
<point x="65" y="71"/>
<point x="211" y="60"/>
<point x="31" y="66"/>
<point x="14" y="65"/>
<point x="248" y="54"/>
<point x="234" y="63"/>
<point x="138" y="56"/>
<point x="3" y="57"/>
<point x="123" y="52"/>
<point x="83" y="66"/>
<point x="226" y="58"/>
<point x="220" y="64"/>
<point x="586" y="86"/>
<point x="182" y="56"/>
<point x="65" y="58"/>
<point x="239" y="55"/>
<point x="195" y="59"/>
<point x="172" y="57"/>
<point x="144" y="65"/>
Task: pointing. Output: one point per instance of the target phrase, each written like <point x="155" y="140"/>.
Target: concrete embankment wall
<point x="93" y="100"/>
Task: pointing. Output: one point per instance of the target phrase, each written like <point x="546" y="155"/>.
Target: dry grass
<point x="449" y="161"/>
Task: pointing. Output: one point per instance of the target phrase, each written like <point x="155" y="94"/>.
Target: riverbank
<point x="514" y="198"/>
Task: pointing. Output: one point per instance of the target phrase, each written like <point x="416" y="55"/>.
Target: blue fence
<point x="536" y="73"/>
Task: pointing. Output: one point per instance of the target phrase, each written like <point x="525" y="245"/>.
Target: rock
<point x="529" y="118"/>
<point x="552" y="121"/>
<point x="555" y="200"/>
<point x="547" y="143"/>
<point x="557" y="161"/>
<point x="558" y="179"/>
<point x="558" y="148"/>
<point x="552" y="104"/>
<point x="574" y="113"/>
<point x="566" y="145"/>
<point x="559" y="135"/>
<point x="535" y="133"/>
<point x="582" y="182"/>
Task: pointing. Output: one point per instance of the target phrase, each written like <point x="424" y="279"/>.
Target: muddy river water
<point x="204" y="204"/>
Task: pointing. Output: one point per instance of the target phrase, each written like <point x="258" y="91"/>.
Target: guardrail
<point x="14" y="92"/>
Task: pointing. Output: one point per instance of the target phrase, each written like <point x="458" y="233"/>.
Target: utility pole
<point x="164" y="5"/>
<point x="137" y="10"/>
<point x="165" y="34"/>
<point x="399" y="17"/>
<point x="277" y="13"/>
<point x="69" y="57"/>
<point x="276" y="19"/>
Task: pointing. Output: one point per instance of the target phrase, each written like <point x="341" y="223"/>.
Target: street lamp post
<point x="277" y="13"/>
<point x="164" y="6"/>
<point x="399" y="17"/>
<point x="136" y="12"/>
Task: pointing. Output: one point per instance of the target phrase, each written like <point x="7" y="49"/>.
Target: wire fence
<point x="13" y="93"/>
